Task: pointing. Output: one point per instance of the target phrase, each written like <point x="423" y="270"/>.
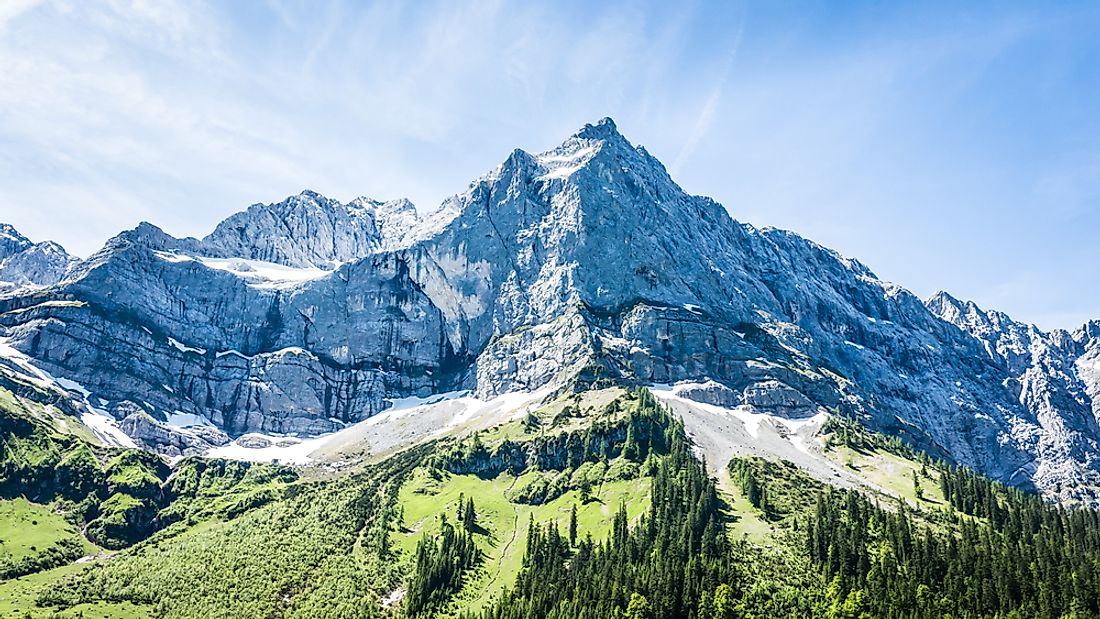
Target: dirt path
<point x="515" y="533"/>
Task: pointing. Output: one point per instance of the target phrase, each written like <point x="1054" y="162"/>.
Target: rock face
<point x="310" y="230"/>
<point x="585" y="262"/>
<point x="11" y="241"/>
<point x="1054" y="376"/>
<point x="27" y="265"/>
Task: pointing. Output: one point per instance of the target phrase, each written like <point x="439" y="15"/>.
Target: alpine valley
<point x="572" y="391"/>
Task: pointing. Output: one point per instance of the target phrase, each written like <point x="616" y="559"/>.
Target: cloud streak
<point x="925" y="141"/>
<point x="710" y="108"/>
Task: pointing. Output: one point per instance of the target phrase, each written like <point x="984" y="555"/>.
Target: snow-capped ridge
<point x="603" y="129"/>
<point x="586" y="261"/>
<point x="306" y="231"/>
<point x="11" y="241"/>
<point x="593" y="140"/>
<point x="26" y="265"/>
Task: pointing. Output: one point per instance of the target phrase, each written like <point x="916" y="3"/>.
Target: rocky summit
<point x="582" y="265"/>
<point x="27" y="265"/>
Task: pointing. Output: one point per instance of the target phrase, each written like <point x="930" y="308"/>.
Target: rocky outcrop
<point x="1087" y="363"/>
<point x="1050" y="374"/>
<point x="310" y="230"/>
<point x="25" y="265"/>
<point x="167" y="439"/>
<point x="306" y="315"/>
<point x="11" y="241"/>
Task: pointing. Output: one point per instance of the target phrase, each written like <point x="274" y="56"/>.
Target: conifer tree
<point x="573" y="525"/>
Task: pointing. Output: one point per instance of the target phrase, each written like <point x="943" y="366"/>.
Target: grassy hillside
<point x="593" y="505"/>
<point x="503" y="523"/>
<point x="65" y="497"/>
<point x="34" y="537"/>
<point x="347" y="545"/>
<point x="19" y="599"/>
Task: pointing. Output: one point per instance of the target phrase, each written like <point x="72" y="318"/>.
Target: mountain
<point x="572" y="391"/>
<point x="1052" y="374"/>
<point x="583" y="264"/>
<point x="25" y="264"/>
<point x="11" y="241"/>
<point x="310" y="230"/>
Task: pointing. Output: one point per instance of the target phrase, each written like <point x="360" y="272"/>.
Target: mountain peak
<point x="8" y="231"/>
<point x="309" y="193"/>
<point x="600" y="145"/>
<point x="942" y="299"/>
<point x="11" y="241"/>
<point x="25" y="263"/>
<point x="603" y="129"/>
<point x="144" y="234"/>
<point x="602" y="134"/>
<point x="955" y="310"/>
<point x="1089" y="331"/>
<point x="312" y="230"/>
<point x="303" y="199"/>
<point x="586" y="260"/>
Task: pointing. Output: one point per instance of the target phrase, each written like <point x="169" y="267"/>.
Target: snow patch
<point x="564" y="165"/>
<point x="102" y="425"/>
<point x="261" y="274"/>
<point x="28" y="370"/>
<point x="72" y="385"/>
<point x="106" y="429"/>
<point x="172" y="257"/>
<point x="291" y="350"/>
<point x="407" y="421"/>
<point x="283" y="449"/>
<point x="184" y="347"/>
<point x="255" y="273"/>
<point x="750" y="418"/>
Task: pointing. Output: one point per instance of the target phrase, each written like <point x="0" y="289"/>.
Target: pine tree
<point x="638" y="607"/>
<point x="469" y="517"/>
<point x="573" y="525"/>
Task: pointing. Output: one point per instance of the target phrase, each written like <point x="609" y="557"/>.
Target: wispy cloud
<point x="904" y="136"/>
<point x="12" y="9"/>
<point x="706" y="116"/>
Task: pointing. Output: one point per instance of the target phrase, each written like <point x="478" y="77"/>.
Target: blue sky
<point x="946" y="146"/>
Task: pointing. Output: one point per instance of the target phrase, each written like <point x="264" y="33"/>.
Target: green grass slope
<point x="591" y="506"/>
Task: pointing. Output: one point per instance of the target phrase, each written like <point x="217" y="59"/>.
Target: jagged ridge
<point x="586" y="260"/>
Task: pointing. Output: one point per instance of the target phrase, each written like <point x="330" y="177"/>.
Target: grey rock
<point x="11" y="241"/>
<point x="778" y="398"/>
<point x="310" y="230"/>
<point x="714" y="393"/>
<point x="1054" y="378"/>
<point x="26" y="266"/>
<point x="585" y="263"/>
<point x="170" y="441"/>
<point x="253" y="442"/>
